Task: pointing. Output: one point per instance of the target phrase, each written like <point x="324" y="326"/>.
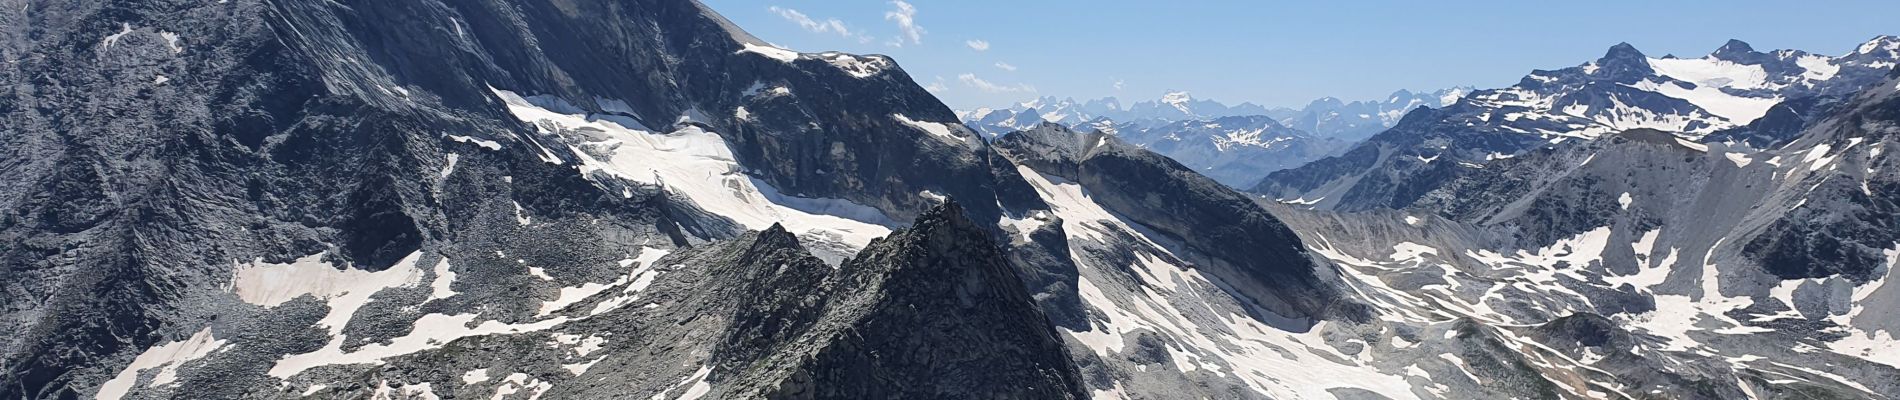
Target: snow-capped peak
<point x="1177" y="98"/>
<point x="1883" y="42"/>
<point x="1452" y="95"/>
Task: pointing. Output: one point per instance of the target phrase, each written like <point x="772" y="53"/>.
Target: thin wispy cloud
<point x="937" y="86"/>
<point x="1005" y="66"/>
<point x="991" y="87"/>
<point x="809" y="24"/>
<point x="1118" y="83"/>
<point x="905" y="15"/>
<point x="977" y="44"/>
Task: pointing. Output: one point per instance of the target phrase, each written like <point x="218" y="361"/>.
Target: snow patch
<point x="938" y="130"/>
<point x="166" y="357"/>
<point x="484" y="143"/>
<point x="783" y="55"/>
<point x="571" y="295"/>
<point x="475" y="376"/>
<point x="696" y="386"/>
<point x="345" y="290"/>
<point x="858" y="67"/>
<point x="699" y="166"/>
<point x="113" y="39"/>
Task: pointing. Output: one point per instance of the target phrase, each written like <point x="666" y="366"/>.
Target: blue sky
<point x="995" y="52"/>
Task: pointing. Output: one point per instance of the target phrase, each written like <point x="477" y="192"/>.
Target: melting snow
<point x="443" y="285"/>
<point x="642" y="275"/>
<point x="940" y="131"/>
<point x="475" y="376"/>
<point x="775" y="53"/>
<point x="696" y="386"/>
<point x="166" y="357"/>
<point x="449" y="166"/>
<point x="1818" y="68"/>
<point x="171" y="41"/>
<point x="484" y="143"/>
<point x="859" y="67"/>
<point x="700" y="166"/>
<point x="113" y="39"/>
<point x="345" y="290"/>
<point x="431" y="331"/>
<point x="571" y="295"/>
<point x="1817" y="157"/>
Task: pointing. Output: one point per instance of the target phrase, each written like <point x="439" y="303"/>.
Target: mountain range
<point x="1325" y="117"/>
<point x="1232" y="144"/>
<point x="1693" y="98"/>
<point x="426" y="199"/>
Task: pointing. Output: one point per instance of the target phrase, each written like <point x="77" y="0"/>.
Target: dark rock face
<point x="889" y="331"/>
<point x="1556" y="193"/>
<point x="1851" y="216"/>
<point x="156" y="146"/>
<point x="1239" y="240"/>
<point x="1393" y="168"/>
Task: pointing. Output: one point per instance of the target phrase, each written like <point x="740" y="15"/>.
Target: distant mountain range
<point x="1325" y="117"/>
<point x="1233" y="144"/>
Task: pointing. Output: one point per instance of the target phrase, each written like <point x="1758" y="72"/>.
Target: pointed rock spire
<point x="1621" y="52"/>
<point x="1623" y="61"/>
<point x="1734" y="50"/>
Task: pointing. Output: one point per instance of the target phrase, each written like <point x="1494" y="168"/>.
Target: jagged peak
<point x="1177" y="97"/>
<point x="1732" y="50"/>
<point x="946" y="215"/>
<point x="1328" y="101"/>
<point x="1622" y="61"/>
<point x="1622" y="50"/>
<point x="774" y="238"/>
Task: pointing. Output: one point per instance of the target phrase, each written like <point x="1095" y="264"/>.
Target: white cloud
<point x="1005" y="66"/>
<point x="829" y="25"/>
<point x="937" y="87"/>
<point x="977" y="44"/>
<point x="989" y="87"/>
<point x="906" y="17"/>
<point x="1118" y="84"/>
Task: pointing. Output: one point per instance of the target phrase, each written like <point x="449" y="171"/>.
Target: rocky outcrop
<point x="934" y="310"/>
